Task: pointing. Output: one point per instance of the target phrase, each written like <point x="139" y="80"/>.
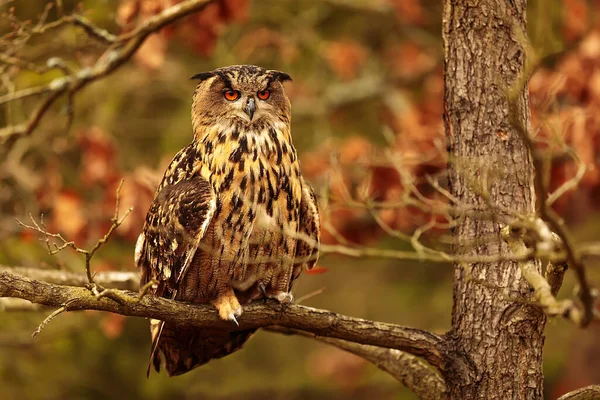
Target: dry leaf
<point x="345" y="58"/>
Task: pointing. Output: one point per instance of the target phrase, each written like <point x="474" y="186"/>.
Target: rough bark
<point x="323" y="323"/>
<point x="110" y="279"/>
<point x="591" y="392"/>
<point x="489" y="166"/>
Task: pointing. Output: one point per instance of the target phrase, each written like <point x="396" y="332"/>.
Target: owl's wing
<point x="307" y="248"/>
<point x="175" y="224"/>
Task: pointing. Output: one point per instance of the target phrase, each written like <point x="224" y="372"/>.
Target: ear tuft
<point x="281" y="76"/>
<point x="202" y="76"/>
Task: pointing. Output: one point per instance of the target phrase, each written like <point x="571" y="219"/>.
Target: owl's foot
<point x="228" y="306"/>
<point x="280" y="296"/>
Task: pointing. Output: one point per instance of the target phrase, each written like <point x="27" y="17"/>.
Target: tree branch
<point x="113" y="58"/>
<point x="18" y="305"/>
<point x="544" y="200"/>
<point x="319" y="322"/>
<point x="591" y="392"/>
<point x="408" y="369"/>
<point x="111" y="279"/>
<point x="543" y="290"/>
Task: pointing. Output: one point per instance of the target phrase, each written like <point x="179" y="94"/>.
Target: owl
<point x="232" y="220"/>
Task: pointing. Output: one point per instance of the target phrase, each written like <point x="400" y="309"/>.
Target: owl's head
<point x="244" y="95"/>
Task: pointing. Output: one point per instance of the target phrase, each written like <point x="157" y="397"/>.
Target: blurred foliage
<point x="367" y="80"/>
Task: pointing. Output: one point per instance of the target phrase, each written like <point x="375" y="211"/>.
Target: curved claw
<point x="263" y="291"/>
<point x="228" y="306"/>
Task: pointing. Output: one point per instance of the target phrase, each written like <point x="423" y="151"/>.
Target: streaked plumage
<point x="232" y="219"/>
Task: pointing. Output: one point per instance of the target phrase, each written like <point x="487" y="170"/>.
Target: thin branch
<point x="92" y="30"/>
<point x="47" y="320"/>
<point x="543" y="292"/>
<point x="116" y="222"/>
<point x="555" y="273"/>
<point x="113" y="58"/>
<point x="408" y="369"/>
<point x="130" y="280"/>
<point x="166" y="17"/>
<point x="89" y="254"/>
<point x="21" y="94"/>
<point x="319" y="322"/>
<point x="567" y="186"/>
<point x="545" y="211"/>
<point x="25" y="128"/>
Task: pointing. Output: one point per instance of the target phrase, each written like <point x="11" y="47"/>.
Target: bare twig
<point x="310" y="295"/>
<point x="89" y="254"/>
<point x="92" y="30"/>
<point x="120" y="52"/>
<point x="116" y="222"/>
<point x="21" y="94"/>
<point x="567" y="186"/>
<point x="545" y="210"/>
<point x="144" y="290"/>
<point x="47" y="320"/>
<point x="53" y="248"/>
<point x="543" y="292"/>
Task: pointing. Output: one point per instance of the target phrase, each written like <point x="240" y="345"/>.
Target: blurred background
<point x="367" y="87"/>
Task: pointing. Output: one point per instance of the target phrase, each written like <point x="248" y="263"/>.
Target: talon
<point x="263" y="291"/>
<point x="228" y="307"/>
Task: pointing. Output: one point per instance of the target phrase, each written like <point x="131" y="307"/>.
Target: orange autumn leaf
<point x="151" y="54"/>
<point x="345" y="58"/>
<point x="410" y="10"/>
<point x="316" y="270"/>
<point x="575" y="18"/>
<point x="199" y="31"/>
<point x="68" y="216"/>
<point x="112" y="325"/>
<point x="98" y="156"/>
<point x="336" y="366"/>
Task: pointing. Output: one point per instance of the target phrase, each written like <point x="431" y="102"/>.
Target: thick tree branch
<point x="109" y="279"/>
<point x="591" y="392"/>
<point x="410" y="370"/>
<point x="319" y="322"/>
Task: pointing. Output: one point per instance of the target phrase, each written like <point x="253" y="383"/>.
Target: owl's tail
<point x="186" y="348"/>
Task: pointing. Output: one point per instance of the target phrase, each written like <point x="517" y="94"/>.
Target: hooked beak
<point x="250" y="107"/>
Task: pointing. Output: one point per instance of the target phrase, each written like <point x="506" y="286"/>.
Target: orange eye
<point x="263" y="94"/>
<point x="231" y="95"/>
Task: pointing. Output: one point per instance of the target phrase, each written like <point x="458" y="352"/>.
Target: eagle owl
<point x="232" y="220"/>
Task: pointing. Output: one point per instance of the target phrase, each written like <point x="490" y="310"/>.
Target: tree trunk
<point x="499" y="335"/>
